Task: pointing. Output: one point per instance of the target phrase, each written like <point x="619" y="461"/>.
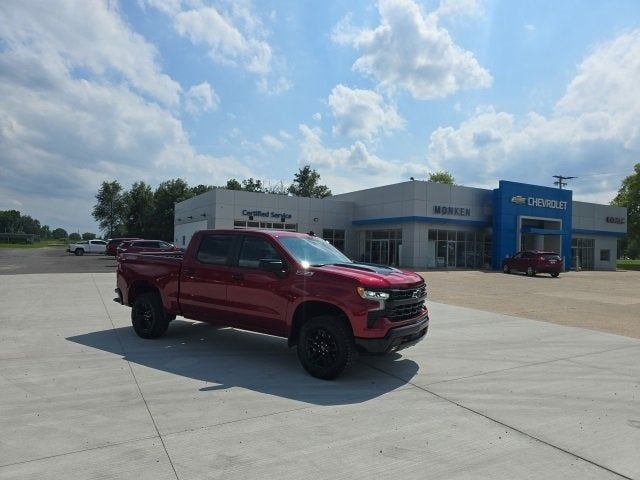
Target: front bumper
<point x="397" y="338"/>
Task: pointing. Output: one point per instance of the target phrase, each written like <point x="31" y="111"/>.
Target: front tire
<point x="555" y="274"/>
<point x="531" y="271"/>
<point x="506" y="269"/>
<point x="325" y="347"/>
<point x="148" y="316"/>
<point x="79" y="252"/>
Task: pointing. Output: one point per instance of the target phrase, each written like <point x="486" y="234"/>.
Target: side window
<point x="215" y="249"/>
<point x="517" y="256"/>
<point x="255" y="249"/>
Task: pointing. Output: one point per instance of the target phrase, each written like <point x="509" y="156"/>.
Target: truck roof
<point x="267" y="232"/>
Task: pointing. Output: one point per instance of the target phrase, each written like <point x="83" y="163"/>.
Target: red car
<point x="137" y="246"/>
<point x="534" y="261"/>
<point x="287" y="284"/>
<point x="112" y="244"/>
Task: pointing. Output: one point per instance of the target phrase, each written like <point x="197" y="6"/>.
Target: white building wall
<point x="412" y="203"/>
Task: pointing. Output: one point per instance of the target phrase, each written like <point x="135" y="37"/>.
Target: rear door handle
<point x="237" y="276"/>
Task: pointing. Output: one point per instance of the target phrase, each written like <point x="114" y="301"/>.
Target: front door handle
<point x="237" y="276"/>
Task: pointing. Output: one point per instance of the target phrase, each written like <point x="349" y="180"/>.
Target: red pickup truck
<point x="287" y="284"/>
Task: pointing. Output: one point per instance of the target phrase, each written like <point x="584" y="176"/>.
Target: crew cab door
<point x="259" y="297"/>
<point x="206" y="273"/>
<point x="97" y="246"/>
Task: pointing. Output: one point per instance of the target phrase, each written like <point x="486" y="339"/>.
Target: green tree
<point x="629" y="197"/>
<point x="165" y="197"/>
<point x="74" y="237"/>
<point x="200" y="189"/>
<point x="277" y="189"/>
<point x="29" y="225"/>
<point x="441" y="177"/>
<point x="45" y="231"/>
<point x="88" y="236"/>
<point x="138" y="210"/>
<point x="59" y="233"/>
<point x="252" y="185"/>
<point x="233" y="184"/>
<point x="10" y="221"/>
<point x="109" y="208"/>
<point x="305" y="184"/>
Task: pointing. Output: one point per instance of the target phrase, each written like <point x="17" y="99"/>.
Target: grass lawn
<point x="629" y="264"/>
<point x="39" y="244"/>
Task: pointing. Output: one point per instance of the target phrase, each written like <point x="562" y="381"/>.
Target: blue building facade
<point x="530" y="217"/>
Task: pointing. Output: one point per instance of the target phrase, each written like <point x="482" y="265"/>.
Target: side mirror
<point x="275" y="266"/>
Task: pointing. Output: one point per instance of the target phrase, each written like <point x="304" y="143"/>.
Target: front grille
<point x="406" y="293"/>
<point x="404" y="312"/>
<point x="405" y="303"/>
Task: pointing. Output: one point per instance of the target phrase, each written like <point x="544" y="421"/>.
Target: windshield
<point x="313" y="251"/>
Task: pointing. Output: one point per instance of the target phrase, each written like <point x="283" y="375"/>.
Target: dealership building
<point x="420" y="224"/>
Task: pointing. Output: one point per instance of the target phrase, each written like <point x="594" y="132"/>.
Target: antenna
<point x="560" y="182"/>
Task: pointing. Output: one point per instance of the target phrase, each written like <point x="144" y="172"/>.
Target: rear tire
<point x="506" y="269"/>
<point x="325" y="347"/>
<point x="79" y="252"/>
<point x="531" y="271"/>
<point x="555" y="274"/>
<point x="148" y="316"/>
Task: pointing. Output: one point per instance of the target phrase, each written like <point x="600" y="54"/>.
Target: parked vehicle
<point x="287" y="284"/>
<point x="534" y="261"/>
<point x="150" y="246"/>
<point x="112" y="245"/>
<point x="87" y="246"/>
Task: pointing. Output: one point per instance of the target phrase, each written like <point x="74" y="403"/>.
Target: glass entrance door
<point x="446" y="250"/>
<point x="380" y="251"/>
<point x="451" y="254"/>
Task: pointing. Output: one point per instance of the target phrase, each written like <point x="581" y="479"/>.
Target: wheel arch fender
<point x="314" y="308"/>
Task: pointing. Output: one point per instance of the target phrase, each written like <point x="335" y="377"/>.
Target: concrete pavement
<point x="485" y="396"/>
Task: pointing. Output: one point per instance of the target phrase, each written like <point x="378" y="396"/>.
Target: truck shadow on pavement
<point x="219" y="358"/>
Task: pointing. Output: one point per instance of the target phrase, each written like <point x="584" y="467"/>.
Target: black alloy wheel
<point x="555" y="274"/>
<point x="148" y="316"/>
<point x="325" y="347"/>
<point x="78" y="252"/>
<point x="531" y="271"/>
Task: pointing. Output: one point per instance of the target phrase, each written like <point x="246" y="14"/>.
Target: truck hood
<point x="372" y="275"/>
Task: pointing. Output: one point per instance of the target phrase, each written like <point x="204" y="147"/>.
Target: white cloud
<point x="317" y="116"/>
<point x="103" y="46"/>
<point x="471" y="8"/>
<point x="273" y="87"/>
<point x="409" y="50"/>
<point x="201" y="98"/>
<point x="227" y="44"/>
<point x="286" y="135"/>
<point x="593" y="133"/>
<point x="75" y="112"/>
<point x="362" y="113"/>
<point x="349" y="168"/>
<point x="272" y="142"/>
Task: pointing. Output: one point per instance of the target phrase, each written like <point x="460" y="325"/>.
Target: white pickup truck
<point x="87" y="246"/>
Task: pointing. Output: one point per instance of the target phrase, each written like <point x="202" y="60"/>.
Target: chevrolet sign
<point x="539" y="202"/>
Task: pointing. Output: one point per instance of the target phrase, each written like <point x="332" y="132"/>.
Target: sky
<point x="367" y="93"/>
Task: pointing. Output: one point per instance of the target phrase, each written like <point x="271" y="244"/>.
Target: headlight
<point x="372" y="295"/>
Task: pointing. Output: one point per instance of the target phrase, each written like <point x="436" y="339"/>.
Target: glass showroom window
<point x="240" y="224"/>
<point x="460" y="249"/>
<point x="334" y="237"/>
